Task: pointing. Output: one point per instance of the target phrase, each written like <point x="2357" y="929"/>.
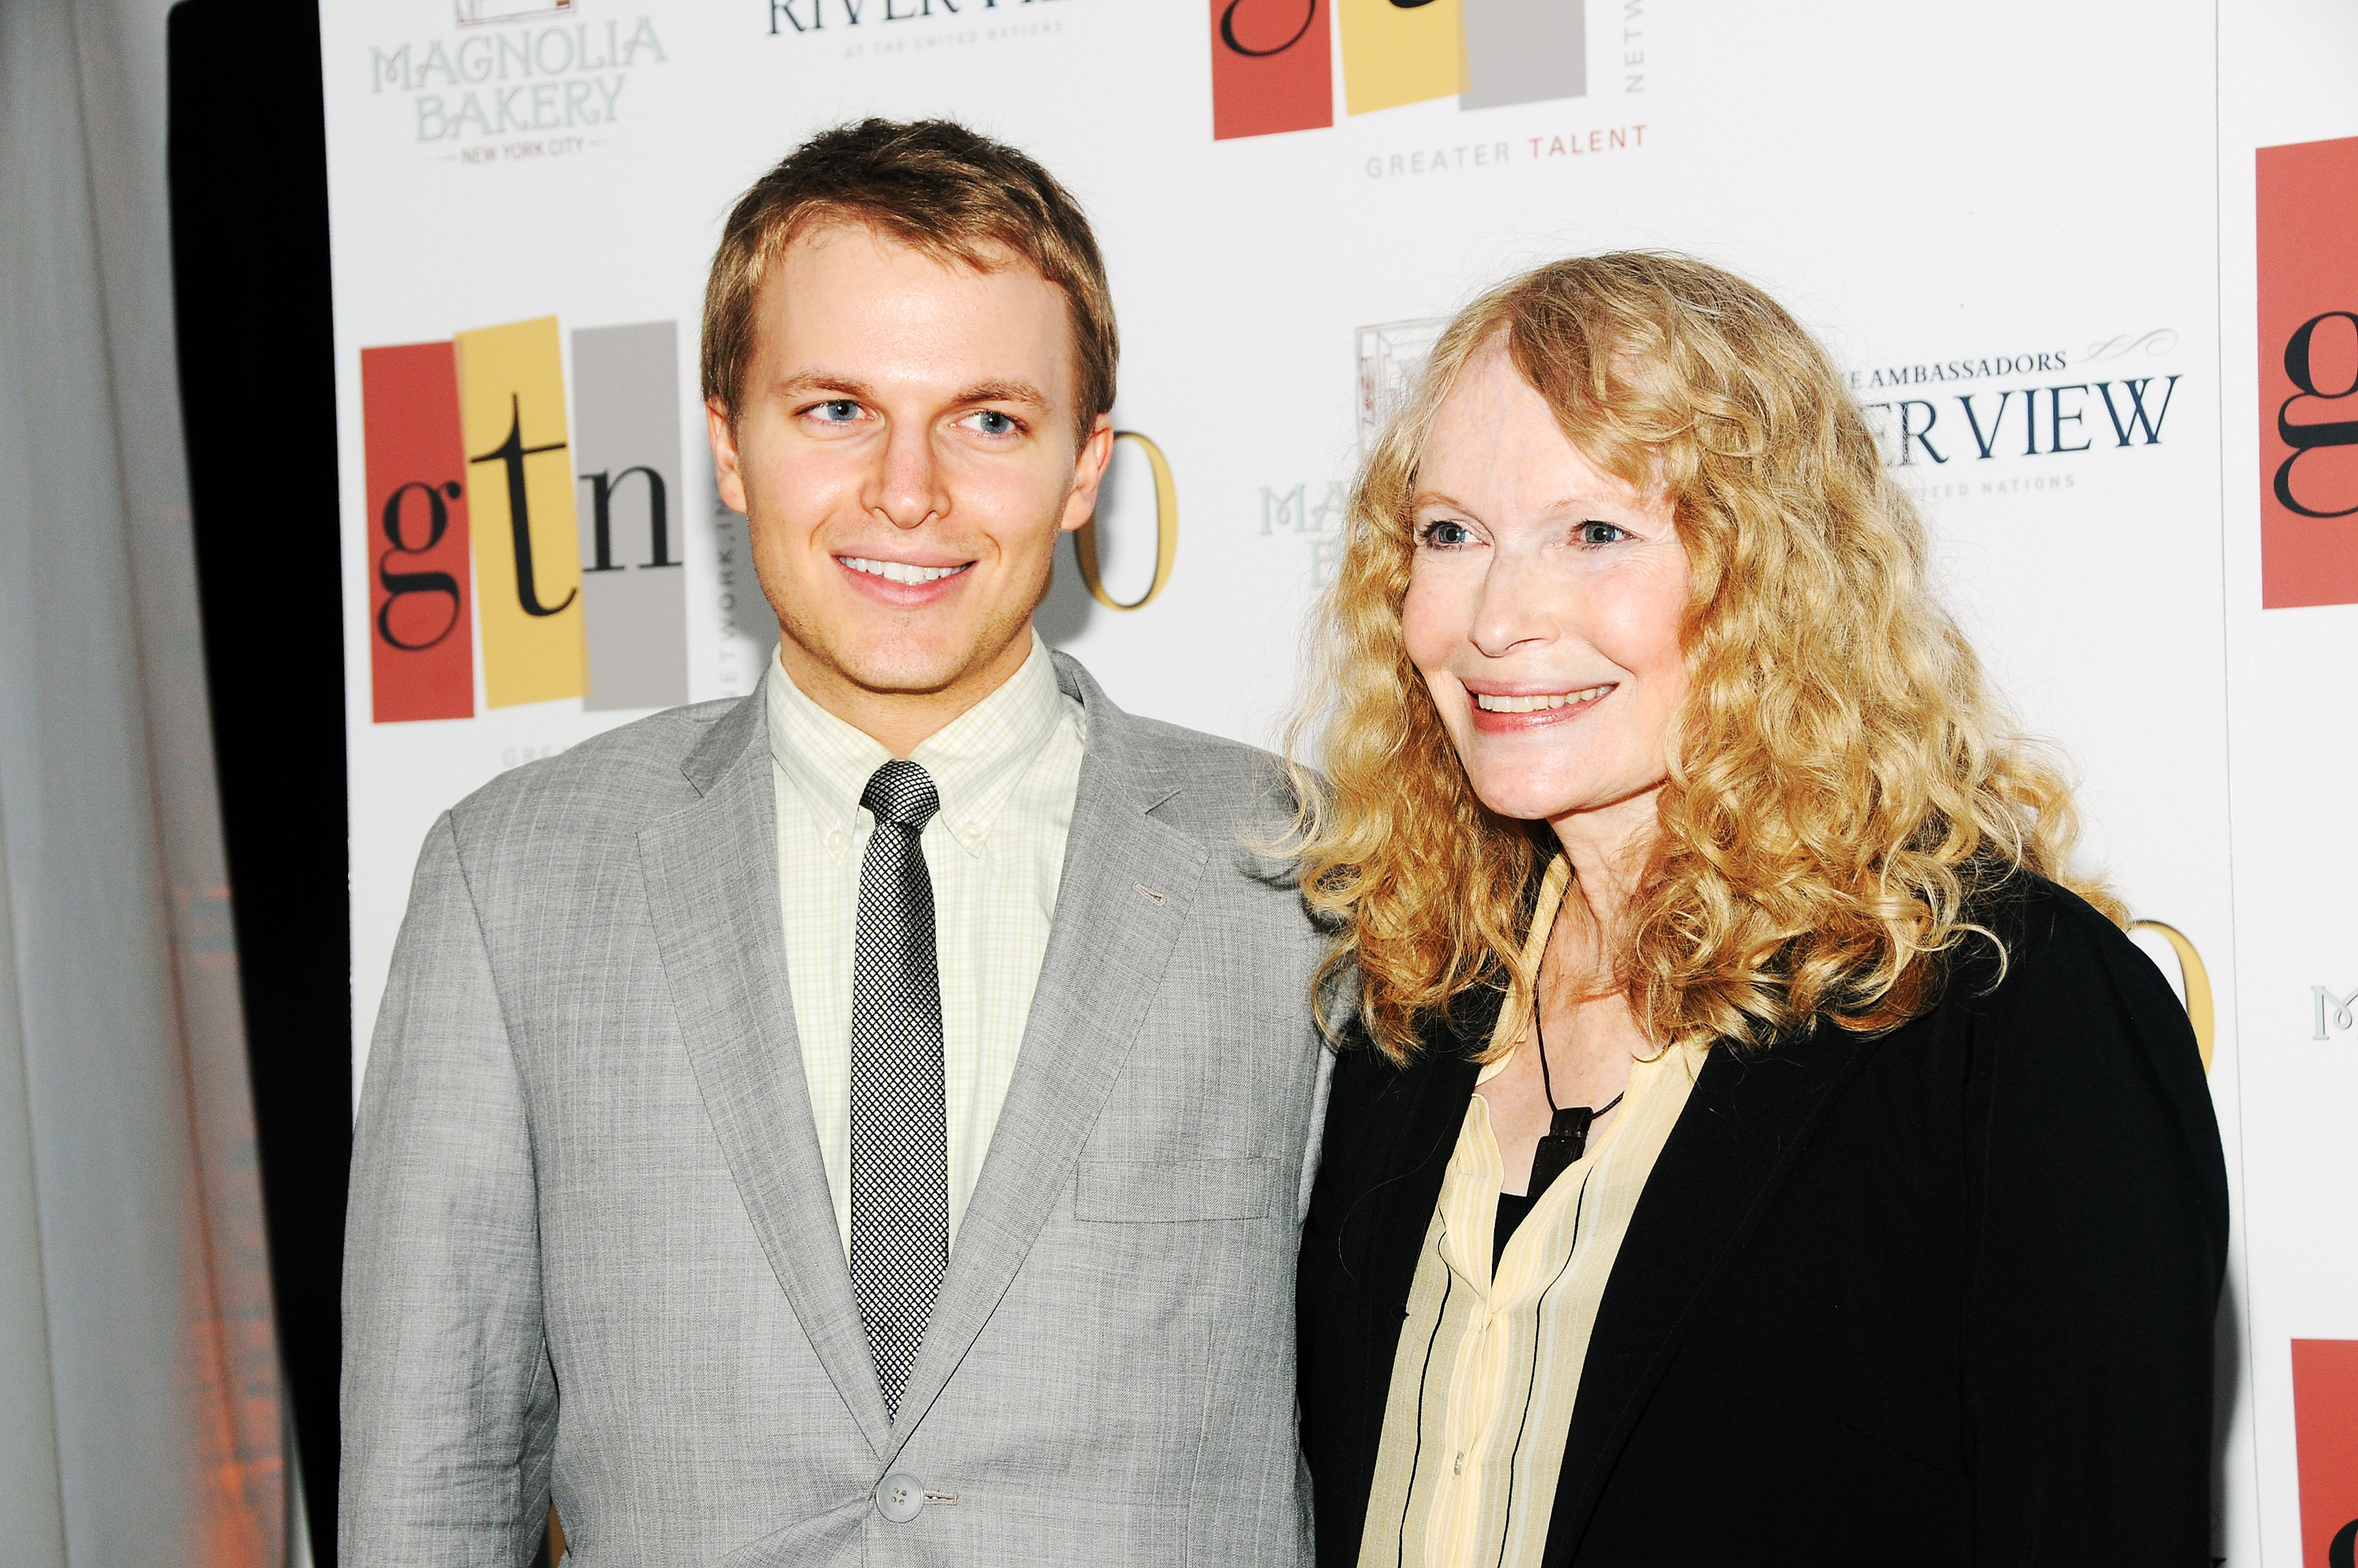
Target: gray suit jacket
<point x="590" y="1242"/>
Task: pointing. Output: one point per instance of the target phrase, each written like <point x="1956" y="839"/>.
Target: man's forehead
<point x="850" y="282"/>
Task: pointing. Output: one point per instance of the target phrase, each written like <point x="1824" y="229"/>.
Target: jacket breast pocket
<point x="1167" y="1191"/>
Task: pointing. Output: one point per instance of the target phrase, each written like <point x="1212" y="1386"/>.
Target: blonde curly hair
<point x="1842" y="782"/>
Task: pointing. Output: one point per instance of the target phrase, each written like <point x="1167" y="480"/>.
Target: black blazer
<point x="1943" y="1296"/>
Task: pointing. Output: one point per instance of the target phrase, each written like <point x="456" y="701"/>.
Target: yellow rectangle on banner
<point x="1394" y="54"/>
<point x="527" y="549"/>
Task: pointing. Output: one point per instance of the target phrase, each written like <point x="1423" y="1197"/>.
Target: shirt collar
<point x="975" y="760"/>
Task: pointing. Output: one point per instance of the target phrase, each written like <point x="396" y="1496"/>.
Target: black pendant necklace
<point x="1567" y="1135"/>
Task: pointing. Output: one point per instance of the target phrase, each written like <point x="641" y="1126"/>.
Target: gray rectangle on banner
<point x="626" y="463"/>
<point x="1524" y="52"/>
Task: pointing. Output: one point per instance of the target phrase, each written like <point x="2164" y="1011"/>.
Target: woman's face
<point x="1543" y="605"/>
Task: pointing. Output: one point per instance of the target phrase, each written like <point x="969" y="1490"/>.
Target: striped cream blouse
<point x="1489" y="1366"/>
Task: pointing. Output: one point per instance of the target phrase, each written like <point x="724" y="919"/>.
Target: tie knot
<point x="902" y="792"/>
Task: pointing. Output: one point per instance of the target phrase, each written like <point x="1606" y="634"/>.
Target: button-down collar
<point x="975" y="760"/>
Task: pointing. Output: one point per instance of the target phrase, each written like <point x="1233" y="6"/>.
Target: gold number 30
<point x="2198" y="985"/>
<point x="1166" y="532"/>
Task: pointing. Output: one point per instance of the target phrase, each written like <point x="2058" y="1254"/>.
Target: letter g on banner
<point x="1166" y="532"/>
<point x="2305" y="438"/>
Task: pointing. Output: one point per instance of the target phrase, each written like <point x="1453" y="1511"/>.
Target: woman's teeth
<point x="1537" y="703"/>
<point x="899" y="571"/>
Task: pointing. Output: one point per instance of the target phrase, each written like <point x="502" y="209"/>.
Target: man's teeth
<point x="1537" y="703"/>
<point x="900" y="571"/>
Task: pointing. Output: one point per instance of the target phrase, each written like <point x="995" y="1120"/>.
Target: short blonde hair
<point x="1841" y="782"/>
<point x="935" y="187"/>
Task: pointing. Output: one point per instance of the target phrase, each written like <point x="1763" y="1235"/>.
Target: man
<point x="867" y="1121"/>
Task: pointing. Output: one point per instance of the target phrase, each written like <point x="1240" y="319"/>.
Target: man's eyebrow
<point x="823" y="381"/>
<point x="1005" y="392"/>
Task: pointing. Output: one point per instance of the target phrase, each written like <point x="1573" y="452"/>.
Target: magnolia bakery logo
<point x="516" y="79"/>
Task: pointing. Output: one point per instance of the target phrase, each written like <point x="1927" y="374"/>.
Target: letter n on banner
<point x="2309" y="374"/>
<point x="527" y="562"/>
<point x="2325" y="1429"/>
<point x="1518" y="52"/>
<point x="421" y="634"/>
<point x="1400" y="54"/>
<point x="633" y="589"/>
<point x="1272" y="67"/>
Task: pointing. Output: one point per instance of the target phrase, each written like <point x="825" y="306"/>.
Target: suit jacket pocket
<point x="1162" y="1191"/>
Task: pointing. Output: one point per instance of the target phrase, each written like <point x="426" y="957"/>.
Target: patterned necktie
<point x="900" y="1126"/>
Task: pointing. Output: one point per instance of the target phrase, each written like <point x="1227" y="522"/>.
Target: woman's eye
<point x="1444" y="534"/>
<point x="992" y="422"/>
<point x="1595" y="533"/>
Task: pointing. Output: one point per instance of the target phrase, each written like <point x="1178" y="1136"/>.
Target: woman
<point x="1753" y="1144"/>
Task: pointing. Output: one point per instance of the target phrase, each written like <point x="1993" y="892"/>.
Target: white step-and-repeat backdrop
<point x="2091" y="269"/>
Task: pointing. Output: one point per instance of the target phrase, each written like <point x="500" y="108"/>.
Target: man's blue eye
<point x="842" y="408"/>
<point x="992" y="423"/>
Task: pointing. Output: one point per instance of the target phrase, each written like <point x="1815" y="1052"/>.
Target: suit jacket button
<point x="900" y="1497"/>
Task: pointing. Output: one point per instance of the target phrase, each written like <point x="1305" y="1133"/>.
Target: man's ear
<point x="722" y="431"/>
<point x="1088" y="472"/>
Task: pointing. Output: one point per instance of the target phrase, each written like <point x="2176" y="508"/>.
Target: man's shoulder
<point x="616" y="781"/>
<point x="1213" y="778"/>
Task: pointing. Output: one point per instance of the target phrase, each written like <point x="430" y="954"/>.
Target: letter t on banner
<point x="1271" y="67"/>
<point x="2309" y="374"/>
<point x="1395" y="54"/>
<point x="528" y="552"/>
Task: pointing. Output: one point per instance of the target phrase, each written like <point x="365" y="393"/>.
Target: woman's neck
<point x="1608" y="847"/>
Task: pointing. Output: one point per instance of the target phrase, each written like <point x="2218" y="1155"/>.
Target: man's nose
<point x="909" y="486"/>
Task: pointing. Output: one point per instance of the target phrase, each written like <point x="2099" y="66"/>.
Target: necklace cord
<point x="1547" y="1083"/>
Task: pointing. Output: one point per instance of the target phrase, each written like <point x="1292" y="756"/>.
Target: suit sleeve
<point x="449" y="1400"/>
<point x="2099" y="1241"/>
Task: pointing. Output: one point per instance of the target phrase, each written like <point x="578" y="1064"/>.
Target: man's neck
<point x="900" y="721"/>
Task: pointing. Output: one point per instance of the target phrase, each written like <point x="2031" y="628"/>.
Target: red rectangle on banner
<point x="421" y="630"/>
<point x="2309" y="374"/>
<point x="2325" y="1427"/>
<point x="1272" y="67"/>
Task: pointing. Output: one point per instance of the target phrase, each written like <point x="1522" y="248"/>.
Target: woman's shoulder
<point x="2032" y="935"/>
<point x="2046" y="971"/>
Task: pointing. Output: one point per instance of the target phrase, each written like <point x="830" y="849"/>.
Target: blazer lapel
<point x="1741" y="1131"/>
<point x="1128" y="884"/>
<point x="711" y="874"/>
<point x="1415" y="1119"/>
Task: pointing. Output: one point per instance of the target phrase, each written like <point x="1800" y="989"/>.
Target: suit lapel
<point x="1415" y="1119"/>
<point x="712" y="889"/>
<point x="1742" y="1128"/>
<point x="1124" y="895"/>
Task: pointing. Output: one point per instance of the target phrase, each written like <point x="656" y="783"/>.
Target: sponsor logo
<point x="501" y="517"/>
<point x="2325" y="1426"/>
<point x="791" y="17"/>
<point x="494" y="94"/>
<point x="1272" y="61"/>
<point x="474" y="11"/>
<point x="2334" y="1012"/>
<point x="2308" y="254"/>
<point x="2113" y="395"/>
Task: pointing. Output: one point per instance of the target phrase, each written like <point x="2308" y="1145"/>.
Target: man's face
<point x="905" y="452"/>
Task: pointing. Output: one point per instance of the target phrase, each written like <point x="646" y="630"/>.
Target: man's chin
<point x="901" y="665"/>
